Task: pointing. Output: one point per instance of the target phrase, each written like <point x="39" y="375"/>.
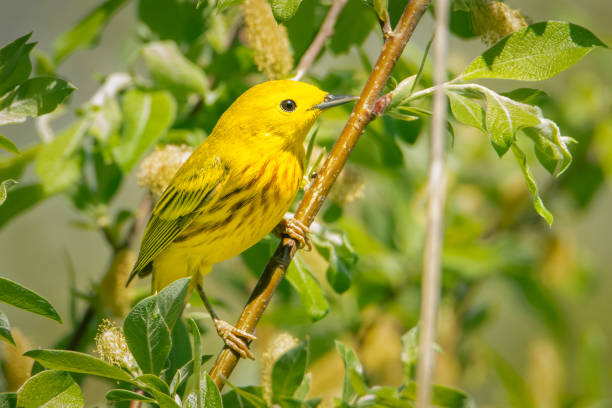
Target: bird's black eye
<point x="288" y="105"/>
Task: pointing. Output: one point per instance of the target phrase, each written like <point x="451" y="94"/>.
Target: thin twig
<point x="326" y="31"/>
<point x="320" y="186"/>
<point x="430" y="289"/>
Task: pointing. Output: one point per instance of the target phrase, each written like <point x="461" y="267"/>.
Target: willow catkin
<point x="158" y="168"/>
<point x="112" y="347"/>
<point x="278" y="346"/>
<point x="268" y="39"/>
<point x="494" y="20"/>
<point x="113" y="293"/>
<point x="16" y="367"/>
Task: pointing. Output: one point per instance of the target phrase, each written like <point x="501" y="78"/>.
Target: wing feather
<point x="188" y="195"/>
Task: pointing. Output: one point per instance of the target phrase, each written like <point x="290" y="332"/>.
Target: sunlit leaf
<point x="538" y="204"/>
<point x="50" y="388"/>
<point x="126" y="395"/>
<point x="225" y="4"/>
<point x="147" y="117"/>
<point x="288" y="371"/>
<point x="534" y="53"/>
<point x="15" y="65"/>
<point x="5" y="329"/>
<point x="22" y="198"/>
<point x="16" y="295"/>
<point x="351" y="365"/>
<point x="172" y="70"/>
<point x="77" y="362"/>
<point x="147" y="335"/>
<point x="8" y="145"/>
<point x="467" y="111"/>
<point x="34" y="97"/>
<point x="441" y="396"/>
<point x="87" y="32"/>
<point x="57" y="166"/>
<point x="311" y="295"/>
<point x="284" y="10"/>
<point x="8" y="400"/>
<point x="4" y="185"/>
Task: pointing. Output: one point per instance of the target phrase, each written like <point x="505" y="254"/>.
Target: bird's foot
<point x="294" y="229"/>
<point x="232" y="338"/>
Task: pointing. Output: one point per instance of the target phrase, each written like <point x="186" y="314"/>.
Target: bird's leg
<point x="296" y="230"/>
<point x="230" y="334"/>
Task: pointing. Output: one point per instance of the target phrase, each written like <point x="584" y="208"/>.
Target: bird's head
<point x="278" y="111"/>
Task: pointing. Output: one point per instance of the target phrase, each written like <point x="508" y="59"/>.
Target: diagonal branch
<point x="317" y="192"/>
<point x="326" y="31"/>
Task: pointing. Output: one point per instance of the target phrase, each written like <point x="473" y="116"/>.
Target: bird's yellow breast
<point x="248" y="207"/>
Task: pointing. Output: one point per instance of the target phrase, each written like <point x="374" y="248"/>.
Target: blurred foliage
<point x="356" y="295"/>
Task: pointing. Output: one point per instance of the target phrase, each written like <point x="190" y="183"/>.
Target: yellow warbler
<point x="234" y="189"/>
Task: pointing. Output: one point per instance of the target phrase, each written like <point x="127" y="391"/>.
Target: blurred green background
<point x="520" y="298"/>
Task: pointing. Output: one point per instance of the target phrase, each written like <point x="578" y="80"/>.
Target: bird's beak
<point x="334" y="100"/>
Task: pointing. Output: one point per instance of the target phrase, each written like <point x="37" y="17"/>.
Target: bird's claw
<point x="232" y="338"/>
<point x="297" y="230"/>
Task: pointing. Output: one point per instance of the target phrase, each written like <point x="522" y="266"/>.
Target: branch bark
<point x="317" y="192"/>
<point x="326" y="31"/>
<point x="430" y="287"/>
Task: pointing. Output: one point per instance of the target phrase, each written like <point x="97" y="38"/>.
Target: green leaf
<point x="15" y="65"/>
<point x="178" y="20"/>
<point x="147" y="115"/>
<point x="152" y="382"/>
<point x="5" y="329"/>
<point x="51" y="389"/>
<point x="185" y="372"/>
<point x="351" y="364"/>
<point x="57" y="167"/>
<point x="246" y="397"/>
<point x="87" y="32"/>
<point x="225" y="4"/>
<point x="288" y="371"/>
<point x="467" y="111"/>
<point x="8" y="400"/>
<point x="172" y="70"/>
<point x="77" y="362"/>
<point x="550" y="147"/>
<point x="442" y="396"/>
<point x="284" y="10"/>
<point x="531" y="185"/>
<point x="211" y="394"/>
<point x="171" y="300"/>
<point x="16" y="295"/>
<point x="147" y="335"/>
<point x="34" y="97"/>
<point x="126" y="395"/>
<point x="163" y="400"/>
<point x="504" y="117"/>
<point x="526" y="95"/>
<point x="3" y="189"/>
<point x="342" y="259"/>
<point x="311" y="294"/>
<point x="180" y="355"/>
<point x="14" y="166"/>
<point x="8" y="145"/>
<point x="534" y="53"/>
<point x="302" y="391"/>
<point x="22" y="198"/>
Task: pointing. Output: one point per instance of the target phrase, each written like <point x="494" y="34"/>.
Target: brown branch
<point x="320" y="186"/>
<point x="326" y="31"/>
<point x="434" y="232"/>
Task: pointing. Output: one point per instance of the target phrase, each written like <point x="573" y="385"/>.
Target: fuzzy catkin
<point x="494" y="20"/>
<point x="157" y="169"/>
<point x="281" y="344"/>
<point x="268" y="39"/>
<point x="113" y="293"/>
<point x="16" y="367"/>
<point x="112" y="347"/>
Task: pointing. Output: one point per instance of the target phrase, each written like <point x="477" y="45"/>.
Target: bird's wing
<point x="188" y="194"/>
